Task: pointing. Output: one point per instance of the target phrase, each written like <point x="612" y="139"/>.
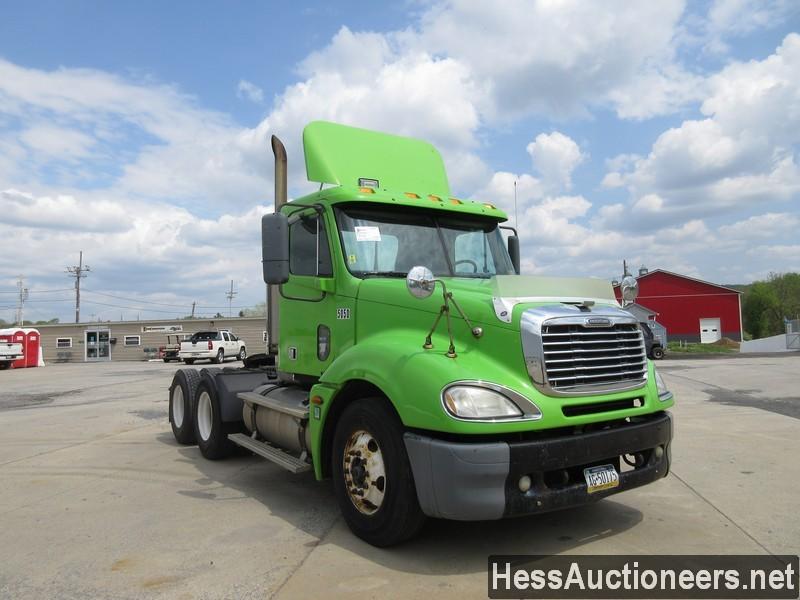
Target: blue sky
<point x="662" y="133"/>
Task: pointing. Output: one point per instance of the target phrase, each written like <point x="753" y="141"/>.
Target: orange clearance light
<point x="455" y="201"/>
<point x="366" y="190"/>
<point x="412" y="195"/>
<point x="488" y="205"/>
<point x="434" y="198"/>
<point x="316" y="400"/>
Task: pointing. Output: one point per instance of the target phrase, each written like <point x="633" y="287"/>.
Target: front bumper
<point x="479" y="481"/>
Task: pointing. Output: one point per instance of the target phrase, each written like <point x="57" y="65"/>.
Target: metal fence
<point x="793" y="334"/>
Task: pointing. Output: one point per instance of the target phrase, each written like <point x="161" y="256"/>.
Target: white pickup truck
<point x="215" y="346"/>
<point x="9" y="352"/>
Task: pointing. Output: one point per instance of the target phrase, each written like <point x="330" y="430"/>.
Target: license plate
<point x="601" y="478"/>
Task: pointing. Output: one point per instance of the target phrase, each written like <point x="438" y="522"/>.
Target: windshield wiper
<point x="382" y="274"/>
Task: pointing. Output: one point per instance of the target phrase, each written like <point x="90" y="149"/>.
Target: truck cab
<point x="409" y="361"/>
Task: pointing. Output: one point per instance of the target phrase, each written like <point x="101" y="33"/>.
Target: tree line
<point x="768" y="304"/>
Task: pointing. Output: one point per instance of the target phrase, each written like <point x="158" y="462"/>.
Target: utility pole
<point x="516" y="220"/>
<point x="23" y="295"/>
<point x="193" y="305"/>
<point x="230" y="295"/>
<point x="78" y="272"/>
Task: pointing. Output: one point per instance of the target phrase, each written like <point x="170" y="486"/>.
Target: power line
<point x="78" y="273"/>
<point x="129" y="299"/>
<point x="36" y="291"/>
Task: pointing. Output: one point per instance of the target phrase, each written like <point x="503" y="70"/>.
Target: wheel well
<point x="354" y="389"/>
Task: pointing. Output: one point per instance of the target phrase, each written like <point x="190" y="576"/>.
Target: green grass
<point x="700" y="348"/>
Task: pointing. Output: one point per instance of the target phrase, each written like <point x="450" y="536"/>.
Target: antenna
<point x="78" y="272"/>
<point x="230" y="295"/>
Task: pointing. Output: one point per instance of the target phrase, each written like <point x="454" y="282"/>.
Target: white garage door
<point x="709" y="331"/>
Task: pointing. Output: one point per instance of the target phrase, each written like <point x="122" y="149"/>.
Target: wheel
<point x="658" y="353"/>
<point x="242" y="354"/>
<point x="188" y="361"/>
<point x="372" y="477"/>
<point x="220" y="357"/>
<point x="209" y="430"/>
<point x="4" y="365"/>
<point x="181" y="404"/>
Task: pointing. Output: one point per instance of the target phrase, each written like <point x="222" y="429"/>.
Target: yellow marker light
<point x="366" y="190"/>
<point x="455" y="201"/>
<point x="492" y="206"/>
<point x="412" y="195"/>
<point x="434" y="198"/>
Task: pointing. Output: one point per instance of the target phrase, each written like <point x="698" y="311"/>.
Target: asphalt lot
<point x="97" y="499"/>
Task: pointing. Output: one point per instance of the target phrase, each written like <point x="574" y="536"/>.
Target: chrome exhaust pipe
<point x="281" y="198"/>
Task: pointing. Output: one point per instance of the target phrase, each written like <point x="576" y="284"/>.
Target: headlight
<point x="485" y="401"/>
<point x="663" y="393"/>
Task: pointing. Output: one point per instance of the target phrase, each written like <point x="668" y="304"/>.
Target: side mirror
<point x="513" y="251"/>
<point x="420" y="282"/>
<point x="275" y="248"/>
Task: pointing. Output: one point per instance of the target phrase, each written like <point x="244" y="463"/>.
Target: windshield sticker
<point x="368" y="234"/>
<point x="352" y="259"/>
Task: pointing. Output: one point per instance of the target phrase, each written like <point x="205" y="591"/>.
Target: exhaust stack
<point x="281" y="198"/>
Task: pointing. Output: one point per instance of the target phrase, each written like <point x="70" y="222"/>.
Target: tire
<point x="209" y="431"/>
<point x="395" y="515"/>
<point x="242" y="354"/>
<point x="181" y="405"/>
<point x="658" y="353"/>
<point x="5" y="364"/>
<point x="220" y="357"/>
<point x="188" y="361"/>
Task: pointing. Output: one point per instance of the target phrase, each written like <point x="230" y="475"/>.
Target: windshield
<point x="390" y="242"/>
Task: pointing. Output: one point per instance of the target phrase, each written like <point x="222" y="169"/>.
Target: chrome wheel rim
<point x="364" y="472"/>
<point x="177" y="406"/>
<point x="204" y="415"/>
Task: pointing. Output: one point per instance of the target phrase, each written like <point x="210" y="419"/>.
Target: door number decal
<point x="342" y="313"/>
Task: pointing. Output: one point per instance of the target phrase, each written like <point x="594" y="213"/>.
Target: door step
<point x="271" y="453"/>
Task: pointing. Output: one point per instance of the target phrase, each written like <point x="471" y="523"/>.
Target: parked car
<point x="9" y="352"/>
<point x="654" y="348"/>
<point x="215" y="346"/>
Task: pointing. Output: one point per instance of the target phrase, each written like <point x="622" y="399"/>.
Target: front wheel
<point x="658" y="353"/>
<point x="372" y="476"/>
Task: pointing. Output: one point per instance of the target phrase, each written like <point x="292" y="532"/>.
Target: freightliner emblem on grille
<point x="598" y="322"/>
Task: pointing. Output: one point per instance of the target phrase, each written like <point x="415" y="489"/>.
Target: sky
<point x="664" y="133"/>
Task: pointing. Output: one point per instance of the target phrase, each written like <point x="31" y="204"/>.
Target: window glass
<point x="132" y="340"/>
<point x="63" y="342"/>
<point x="309" y="255"/>
<point x="390" y="242"/>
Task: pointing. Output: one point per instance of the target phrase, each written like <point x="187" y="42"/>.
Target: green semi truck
<point x="410" y="362"/>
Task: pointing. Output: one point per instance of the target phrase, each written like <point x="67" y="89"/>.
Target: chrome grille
<point x="578" y="356"/>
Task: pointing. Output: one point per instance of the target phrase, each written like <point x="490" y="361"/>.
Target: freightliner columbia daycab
<point x="411" y="363"/>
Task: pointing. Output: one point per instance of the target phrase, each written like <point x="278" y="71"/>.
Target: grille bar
<point x="578" y="357"/>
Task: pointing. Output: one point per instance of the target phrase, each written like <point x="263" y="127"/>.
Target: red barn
<point x="691" y="310"/>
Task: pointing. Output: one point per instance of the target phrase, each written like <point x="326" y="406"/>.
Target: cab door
<point x="315" y="323"/>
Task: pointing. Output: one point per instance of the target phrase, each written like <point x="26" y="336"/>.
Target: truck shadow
<point x="444" y="547"/>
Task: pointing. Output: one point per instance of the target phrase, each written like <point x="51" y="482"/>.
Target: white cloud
<point x="248" y="90"/>
<point x="742" y="151"/>
<point x="555" y="156"/>
<point x="51" y="141"/>
<point x="767" y="225"/>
